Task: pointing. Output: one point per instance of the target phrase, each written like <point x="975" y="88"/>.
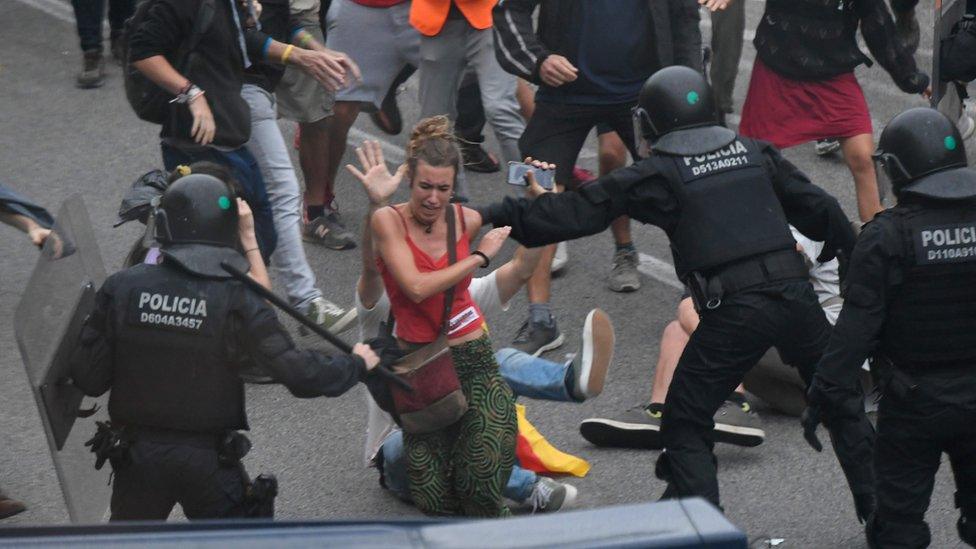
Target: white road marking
<point x="54" y="8"/>
<point x="659" y="270"/>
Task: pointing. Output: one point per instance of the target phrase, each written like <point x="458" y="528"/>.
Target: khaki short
<point x="302" y="98"/>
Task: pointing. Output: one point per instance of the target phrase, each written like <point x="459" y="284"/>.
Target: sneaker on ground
<point x="329" y="316"/>
<point x="560" y="259"/>
<point x="590" y="364"/>
<point x="638" y="428"/>
<point x="827" y="146"/>
<point x="329" y="231"/>
<point x="906" y="29"/>
<point x="549" y="496"/>
<point x="92" y="73"/>
<point x="966" y="125"/>
<point x="10" y="507"/>
<point x="737" y="424"/>
<point x="535" y="338"/>
<point x="477" y="159"/>
<point x="623" y="274"/>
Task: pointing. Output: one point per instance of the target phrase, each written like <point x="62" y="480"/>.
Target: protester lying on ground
<point x="575" y="380"/>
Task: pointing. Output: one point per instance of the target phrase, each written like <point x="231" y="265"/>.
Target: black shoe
<point x="477" y="159"/>
<point x="92" y="73"/>
<point x="535" y="338"/>
<point x="638" y="428"/>
<point x="388" y="118"/>
<point x="10" y="507"/>
<point x="737" y="424"/>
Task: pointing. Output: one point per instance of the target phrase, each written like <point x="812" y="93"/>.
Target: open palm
<point x="376" y="178"/>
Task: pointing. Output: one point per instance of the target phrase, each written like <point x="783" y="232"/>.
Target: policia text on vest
<point x="946" y="243"/>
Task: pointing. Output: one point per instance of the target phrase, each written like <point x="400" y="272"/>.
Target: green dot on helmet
<point x="224" y="203"/>
<point x="950" y="142"/>
<point x="692" y="97"/>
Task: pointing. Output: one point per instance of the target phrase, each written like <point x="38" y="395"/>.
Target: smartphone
<point x="517" y="171"/>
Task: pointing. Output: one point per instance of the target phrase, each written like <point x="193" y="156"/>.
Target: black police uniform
<point x="726" y="213"/>
<point x="170" y="340"/>
<point x="910" y="302"/>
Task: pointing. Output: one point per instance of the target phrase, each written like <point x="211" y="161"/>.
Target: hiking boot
<point x="638" y="428"/>
<point x="329" y="231"/>
<point x="549" y="496"/>
<point x="906" y="29"/>
<point x="826" y="147"/>
<point x="477" y="159"/>
<point x="10" y="507"/>
<point x="388" y="118"/>
<point x="92" y="73"/>
<point x="623" y="274"/>
<point x="535" y="338"/>
<point x="561" y="258"/>
<point x="118" y="53"/>
<point x="329" y="316"/>
<point x="736" y="423"/>
<point x="589" y="366"/>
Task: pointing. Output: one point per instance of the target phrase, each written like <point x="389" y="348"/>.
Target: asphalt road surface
<point x="56" y="140"/>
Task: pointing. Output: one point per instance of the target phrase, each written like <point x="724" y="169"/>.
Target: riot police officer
<point x="169" y="341"/>
<point x="910" y="301"/>
<point x="724" y="201"/>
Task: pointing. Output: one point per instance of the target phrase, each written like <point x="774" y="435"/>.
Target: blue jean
<point x="527" y="376"/>
<point x="268" y="147"/>
<point x="244" y="169"/>
<point x="89" y="15"/>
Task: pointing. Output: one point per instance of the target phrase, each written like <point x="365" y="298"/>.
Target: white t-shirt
<point x="484" y="292"/>
<point x="825" y="277"/>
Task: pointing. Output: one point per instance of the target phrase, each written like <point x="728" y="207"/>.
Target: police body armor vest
<point x="729" y="210"/>
<point x="932" y="314"/>
<point x="171" y="365"/>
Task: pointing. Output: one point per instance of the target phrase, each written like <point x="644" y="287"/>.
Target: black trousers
<point x="556" y="132"/>
<point x="163" y="474"/>
<point x="913" y="431"/>
<point x="727" y="343"/>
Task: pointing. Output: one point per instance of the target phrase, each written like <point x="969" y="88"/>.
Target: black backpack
<point x="149" y="101"/>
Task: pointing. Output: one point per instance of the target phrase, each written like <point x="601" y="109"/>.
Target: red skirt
<point x="788" y="112"/>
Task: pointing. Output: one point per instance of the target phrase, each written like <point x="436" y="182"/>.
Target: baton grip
<point x="273" y="298"/>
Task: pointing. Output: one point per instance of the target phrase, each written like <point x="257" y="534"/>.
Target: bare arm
<point x="249" y="241"/>
<point x="35" y="232"/>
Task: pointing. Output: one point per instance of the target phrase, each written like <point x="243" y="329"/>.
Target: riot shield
<point x="47" y="322"/>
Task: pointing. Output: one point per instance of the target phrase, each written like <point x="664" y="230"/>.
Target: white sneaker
<point x="549" y="496"/>
<point x="589" y="366"/>
<point x="966" y="125"/>
<point x="561" y="258"/>
<point x="825" y="147"/>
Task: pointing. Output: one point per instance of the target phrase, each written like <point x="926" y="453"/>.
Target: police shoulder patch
<point x="940" y="244"/>
<point x="166" y="309"/>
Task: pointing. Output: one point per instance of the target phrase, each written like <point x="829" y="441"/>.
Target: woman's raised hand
<point x="493" y="240"/>
<point x="376" y="178"/>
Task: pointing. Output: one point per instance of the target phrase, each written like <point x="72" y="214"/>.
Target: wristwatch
<point x="188" y="94"/>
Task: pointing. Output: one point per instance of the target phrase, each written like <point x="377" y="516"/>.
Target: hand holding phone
<point x="517" y="171"/>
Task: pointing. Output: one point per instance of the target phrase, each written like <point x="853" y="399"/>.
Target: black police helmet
<point x="676" y="113"/>
<point x="196" y="223"/>
<point x="922" y="153"/>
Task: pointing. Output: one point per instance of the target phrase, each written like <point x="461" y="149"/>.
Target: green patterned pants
<point x="462" y="469"/>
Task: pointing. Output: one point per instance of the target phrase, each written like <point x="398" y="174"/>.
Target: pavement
<point x="56" y="140"/>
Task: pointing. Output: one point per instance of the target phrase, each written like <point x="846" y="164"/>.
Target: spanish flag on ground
<point x="536" y="454"/>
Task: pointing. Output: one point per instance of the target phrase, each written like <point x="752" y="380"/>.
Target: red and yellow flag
<point x="536" y="454"/>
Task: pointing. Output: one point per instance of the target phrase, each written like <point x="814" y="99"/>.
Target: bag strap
<point x="451" y="260"/>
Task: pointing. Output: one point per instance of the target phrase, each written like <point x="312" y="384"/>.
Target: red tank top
<point x="421" y="322"/>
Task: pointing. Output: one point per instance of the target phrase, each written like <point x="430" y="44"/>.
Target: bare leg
<point x="526" y="98"/>
<point x="539" y="285"/>
<point x="857" y="153"/>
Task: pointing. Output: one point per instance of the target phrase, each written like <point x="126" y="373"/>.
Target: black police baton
<point x="307" y="322"/>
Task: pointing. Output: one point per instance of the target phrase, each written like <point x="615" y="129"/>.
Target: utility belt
<point x="113" y="443"/>
<point x="709" y="288"/>
<point x="900" y="379"/>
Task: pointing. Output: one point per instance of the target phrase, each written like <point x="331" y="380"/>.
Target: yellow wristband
<point x="284" y="56"/>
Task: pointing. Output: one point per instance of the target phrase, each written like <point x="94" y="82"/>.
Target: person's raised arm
<point x="249" y="241"/>
<point x="31" y="228"/>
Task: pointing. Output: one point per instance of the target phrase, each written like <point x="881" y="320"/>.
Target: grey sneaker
<point x="536" y="338"/>
<point x="549" y="496"/>
<point x="825" y="147"/>
<point x="638" y="428"/>
<point x="906" y="29"/>
<point x="329" y="316"/>
<point x="589" y="366"/>
<point x="329" y="231"/>
<point x="737" y="424"/>
<point x="623" y="275"/>
<point x="92" y="73"/>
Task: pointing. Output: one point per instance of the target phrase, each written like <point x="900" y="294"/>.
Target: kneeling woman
<point x="463" y="468"/>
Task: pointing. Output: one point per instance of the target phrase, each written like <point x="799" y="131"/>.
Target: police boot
<point x="10" y="507"/>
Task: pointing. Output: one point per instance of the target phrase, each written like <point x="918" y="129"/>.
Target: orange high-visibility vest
<point x="428" y="16"/>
